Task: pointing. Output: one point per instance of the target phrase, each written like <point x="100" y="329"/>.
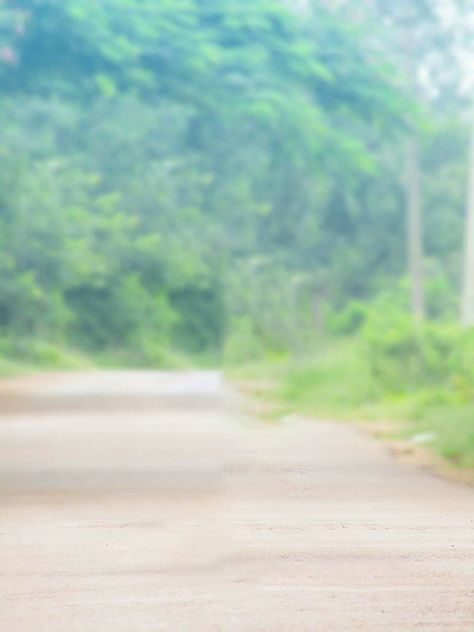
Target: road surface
<point x="141" y="502"/>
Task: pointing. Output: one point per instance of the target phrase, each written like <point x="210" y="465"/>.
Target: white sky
<point x="459" y="16"/>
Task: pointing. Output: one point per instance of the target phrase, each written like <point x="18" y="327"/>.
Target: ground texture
<point x="139" y="502"/>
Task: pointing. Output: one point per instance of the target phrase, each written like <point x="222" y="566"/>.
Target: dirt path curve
<point x="140" y="502"/>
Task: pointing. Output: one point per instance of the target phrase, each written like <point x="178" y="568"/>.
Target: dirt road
<point x="139" y="502"/>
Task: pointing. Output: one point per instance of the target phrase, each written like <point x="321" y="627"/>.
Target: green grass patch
<point x="25" y="355"/>
<point x="335" y="382"/>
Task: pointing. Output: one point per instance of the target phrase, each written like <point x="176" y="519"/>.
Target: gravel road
<point x="149" y="501"/>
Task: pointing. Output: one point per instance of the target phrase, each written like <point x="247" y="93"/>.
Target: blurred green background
<point x="275" y="187"/>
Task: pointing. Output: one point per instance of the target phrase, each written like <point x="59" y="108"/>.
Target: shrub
<point x="242" y="344"/>
<point x="40" y="353"/>
<point x="347" y="320"/>
<point x="405" y="355"/>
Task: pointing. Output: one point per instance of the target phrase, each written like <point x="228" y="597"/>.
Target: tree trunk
<point x="468" y="277"/>
<point x="318" y="312"/>
<point x="415" y="229"/>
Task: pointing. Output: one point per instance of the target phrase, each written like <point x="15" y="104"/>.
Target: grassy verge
<point x="22" y="356"/>
<point x="336" y="383"/>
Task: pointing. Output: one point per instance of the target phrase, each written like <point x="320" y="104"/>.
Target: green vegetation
<point x="157" y="156"/>
<point x="336" y="383"/>
<point x="419" y="376"/>
<point x="207" y="182"/>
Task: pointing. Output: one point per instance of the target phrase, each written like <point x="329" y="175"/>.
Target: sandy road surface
<point x="138" y="502"/>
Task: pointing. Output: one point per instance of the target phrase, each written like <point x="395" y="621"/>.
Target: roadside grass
<point x="129" y="359"/>
<point x="449" y="430"/>
<point x="12" y="368"/>
<point x="20" y="356"/>
<point x="30" y="355"/>
<point x="335" y="382"/>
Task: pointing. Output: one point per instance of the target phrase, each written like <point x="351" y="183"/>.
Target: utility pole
<point x="415" y="228"/>
<point x="467" y="311"/>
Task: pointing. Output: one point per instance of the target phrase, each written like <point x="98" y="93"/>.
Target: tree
<point x="461" y="17"/>
<point x="152" y="151"/>
<point x="420" y="43"/>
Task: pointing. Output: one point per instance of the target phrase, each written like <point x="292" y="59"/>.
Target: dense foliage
<point x="195" y="175"/>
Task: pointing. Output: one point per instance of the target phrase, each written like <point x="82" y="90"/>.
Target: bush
<point x="347" y="320"/>
<point x="242" y="344"/>
<point x="463" y="366"/>
<point x="406" y="355"/>
<point x="333" y="381"/>
<point x="40" y="353"/>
